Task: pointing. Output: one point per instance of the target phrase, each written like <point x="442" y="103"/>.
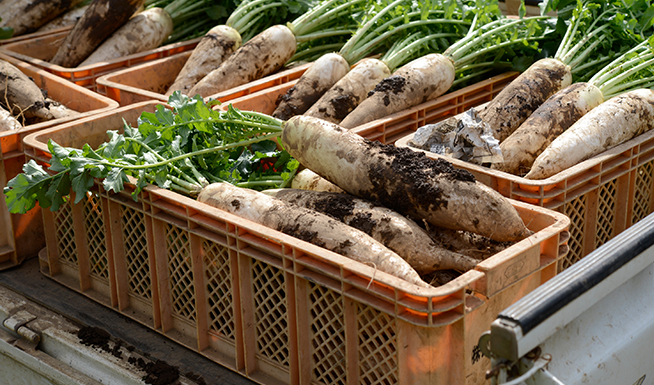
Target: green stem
<point x="570" y="54"/>
<point x="363" y="31"/>
<point x="366" y="49"/>
<point x="320" y="15"/>
<point x="346" y="30"/>
<point x="395" y="58"/>
<point x="616" y="80"/>
<point x="190" y="154"/>
<point x="470" y="76"/>
<point x="466" y="59"/>
<point x="311" y="52"/>
<point x="461" y="48"/>
<point x="628" y="86"/>
<point x="359" y="40"/>
<point x="246" y="11"/>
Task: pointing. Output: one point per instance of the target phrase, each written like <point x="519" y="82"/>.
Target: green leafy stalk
<point x="633" y="69"/>
<point x="251" y="17"/>
<point x="183" y="148"/>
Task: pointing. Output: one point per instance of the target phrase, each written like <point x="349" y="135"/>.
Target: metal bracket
<point x="16" y="323"/>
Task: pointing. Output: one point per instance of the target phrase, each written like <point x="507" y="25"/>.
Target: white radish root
<point x="309" y="226"/>
<point x="313" y="83"/>
<point x="520" y="98"/>
<point x="260" y="56"/>
<point x="146" y="30"/>
<point x="393" y="230"/>
<point x="26" y="16"/>
<point x="8" y="122"/>
<point x="215" y="47"/>
<point x="347" y="93"/>
<point x="20" y="95"/>
<point x="416" y="82"/>
<point x="402" y="179"/>
<point x="309" y="180"/>
<point x="67" y="19"/>
<point x="92" y="29"/>
<point x="549" y="120"/>
<point x="613" y="122"/>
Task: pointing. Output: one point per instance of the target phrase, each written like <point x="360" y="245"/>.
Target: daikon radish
<point x="611" y="123"/>
<point x="8" y="122"/>
<point x="402" y="179"/>
<point x="393" y="230"/>
<point x="216" y="45"/>
<point x="146" y="30"/>
<point x="100" y="20"/>
<point x="309" y="226"/>
<point x="26" y="16"/>
<point x="309" y="180"/>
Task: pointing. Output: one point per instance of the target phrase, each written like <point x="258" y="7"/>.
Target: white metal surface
<point x="594" y="322"/>
<point x="59" y="358"/>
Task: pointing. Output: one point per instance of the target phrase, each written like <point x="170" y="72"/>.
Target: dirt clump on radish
<point x="415" y="166"/>
<point x="392" y="84"/>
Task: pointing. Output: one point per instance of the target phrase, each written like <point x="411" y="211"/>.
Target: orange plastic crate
<point x="149" y="81"/>
<point x="269" y="306"/>
<point x="602" y="196"/>
<point x="38" y="50"/>
<point x="34" y="35"/>
<point x="389" y="129"/>
<point x="21" y="236"/>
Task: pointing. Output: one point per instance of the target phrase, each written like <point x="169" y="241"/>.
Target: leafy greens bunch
<point x="183" y="149"/>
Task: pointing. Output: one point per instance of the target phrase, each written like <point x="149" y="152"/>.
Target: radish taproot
<point x="92" y="29"/>
<point x="393" y="230"/>
<point x="309" y="226"/>
<point x="217" y="45"/>
<point x="611" y="123"/>
<point x="260" y="56"/>
<point x="146" y="30"/>
<point x="629" y="71"/>
<point x="8" y="122"/>
<point x="309" y="180"/>
<point x="402" y="179"/>
<point x="22" y="97"/>
<point x="432" y="75"/>
<point x="323" y="73"/>
<point x="402" y="30"/>
<point x="67" y="19"/>
<point x="271" y="49"/>
<point x="26" y="16"/>
<point x="247" y="20"/>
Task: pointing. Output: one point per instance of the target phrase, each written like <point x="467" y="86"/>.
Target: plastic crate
<point x="38" y="50"/>
<point x="149" y="81"/>
<point x="393" y="127"/>
<point x="602" y="196"/>
<point x="267" y="305"/>
<point x="21" y="235"/>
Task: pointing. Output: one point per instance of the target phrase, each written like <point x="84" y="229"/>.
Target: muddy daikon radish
<point x="613" y="122"/>
<point x="309" y="226"/>
<point x="393" y="230"/>
<point x="402" y="179"/>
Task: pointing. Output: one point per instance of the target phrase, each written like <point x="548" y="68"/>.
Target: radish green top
<point x="183" y="149"/>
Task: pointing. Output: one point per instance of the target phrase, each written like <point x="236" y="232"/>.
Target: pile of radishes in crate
<point x="584" y="88"/>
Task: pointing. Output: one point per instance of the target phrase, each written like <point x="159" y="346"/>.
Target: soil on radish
<point x="343" y="105"/>
<point x="392" y="84"/>
<point x="414" y="168"/>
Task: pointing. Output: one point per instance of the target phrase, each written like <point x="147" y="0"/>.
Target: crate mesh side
<point x="180" y="271"/>
<point x="271" y="321"/>
<point x="576" y="211"/>
<point x="328" y="336"/>
<point x="136" y="253"/>
<point x="219" y="289"/>
<point x="643" y="192"/>
<point x="96" y="237"/>
<point x="377" y="347"/>
<point x="606" y="212"/>
<point x="65" y="234"/>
